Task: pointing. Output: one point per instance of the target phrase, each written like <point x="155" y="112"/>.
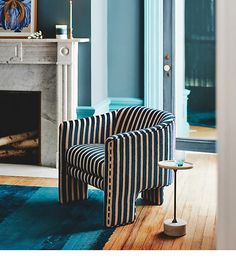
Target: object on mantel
<point x="36" y="35"/>
<point x="71" y="21"/>
<point x="61" y="32"/>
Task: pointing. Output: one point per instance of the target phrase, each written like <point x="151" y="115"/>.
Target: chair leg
<point x="119" y="211"/>
<point x="154" y="196"/>
<point x="71" y="190"/>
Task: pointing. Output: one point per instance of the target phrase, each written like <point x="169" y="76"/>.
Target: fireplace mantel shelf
<point x="51" y="67"/>
<point x="38" y="51"/>
<point x="53" y="40"/>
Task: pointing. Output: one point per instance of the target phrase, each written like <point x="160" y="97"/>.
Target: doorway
<point x="183" y="45"/>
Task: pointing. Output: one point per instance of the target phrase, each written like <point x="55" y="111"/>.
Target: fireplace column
<point x="67" y="80"/>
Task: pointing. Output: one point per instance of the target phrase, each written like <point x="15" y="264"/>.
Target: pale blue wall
<point x="125" y="44"/>
<point x="125" y="48"/>
<point x="52" y="12"/>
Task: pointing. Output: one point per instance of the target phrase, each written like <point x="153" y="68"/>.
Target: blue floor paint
<point x="32" y="219"/>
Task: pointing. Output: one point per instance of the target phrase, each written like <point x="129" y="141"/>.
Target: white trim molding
<point x="153" y="53"/>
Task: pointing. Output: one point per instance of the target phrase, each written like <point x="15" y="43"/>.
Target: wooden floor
<point x="28" y="181"/>
<point x="196" y="203"/>
<point x="200" y="132"/>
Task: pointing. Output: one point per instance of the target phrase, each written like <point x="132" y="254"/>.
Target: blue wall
<point x="52" y="12"/>
<point x="125" y="48"/>
<point x="125" y="43"/>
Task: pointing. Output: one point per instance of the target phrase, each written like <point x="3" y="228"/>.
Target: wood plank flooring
<point x="28" y="181"/>
<point x="200" y="132"/>
<point x="196" y="203"/>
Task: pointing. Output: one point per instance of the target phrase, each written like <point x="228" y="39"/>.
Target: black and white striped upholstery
<point x="88" y="158"/>
<point x="117" y="152"/>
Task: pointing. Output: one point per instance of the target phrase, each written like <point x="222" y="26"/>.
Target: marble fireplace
<point x="49" y="67"/>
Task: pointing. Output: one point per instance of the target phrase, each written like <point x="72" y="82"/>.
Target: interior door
<point x="189" y="71"/>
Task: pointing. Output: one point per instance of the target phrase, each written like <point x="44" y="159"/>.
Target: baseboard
<point x="117" y="103"/>
<point x="84" y="111"/>
<point x="109" y="104"/>
<point x="88" y="111"/>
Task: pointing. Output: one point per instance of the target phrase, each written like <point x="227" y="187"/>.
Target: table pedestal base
<point x="175" y="229"/>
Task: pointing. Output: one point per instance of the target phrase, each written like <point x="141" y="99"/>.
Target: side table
<point x="175" y="227"/>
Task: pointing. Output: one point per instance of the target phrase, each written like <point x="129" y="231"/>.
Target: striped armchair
<point x="117" y="152"/>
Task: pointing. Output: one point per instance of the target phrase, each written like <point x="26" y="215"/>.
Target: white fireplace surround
<point x="49" y="66"/>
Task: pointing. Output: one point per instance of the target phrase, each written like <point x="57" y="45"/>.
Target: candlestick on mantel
<point x="71" y="17"/>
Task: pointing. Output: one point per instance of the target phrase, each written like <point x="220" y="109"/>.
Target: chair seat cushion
<point x="88" y="158"/>
<point x="77" y="174"/>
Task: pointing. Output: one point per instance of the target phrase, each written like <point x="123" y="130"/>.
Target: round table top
<point x="170" y="164"/>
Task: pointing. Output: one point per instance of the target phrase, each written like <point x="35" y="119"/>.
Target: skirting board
<point x="109" y="104"/>
<point x="88" y="111"/>
<point x="84" y="111"/>
<point x="117" y="103"/>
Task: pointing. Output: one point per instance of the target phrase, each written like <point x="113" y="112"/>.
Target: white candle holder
<point x="71" y="21"/>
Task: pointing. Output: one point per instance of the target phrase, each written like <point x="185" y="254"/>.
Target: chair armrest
<point x="89" y="130"/>
<point x="134" y="156"/>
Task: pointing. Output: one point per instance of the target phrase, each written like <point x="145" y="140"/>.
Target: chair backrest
<point x="139" y="117"/>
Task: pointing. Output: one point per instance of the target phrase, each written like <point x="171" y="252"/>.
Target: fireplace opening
<point x="20" y="114"/>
